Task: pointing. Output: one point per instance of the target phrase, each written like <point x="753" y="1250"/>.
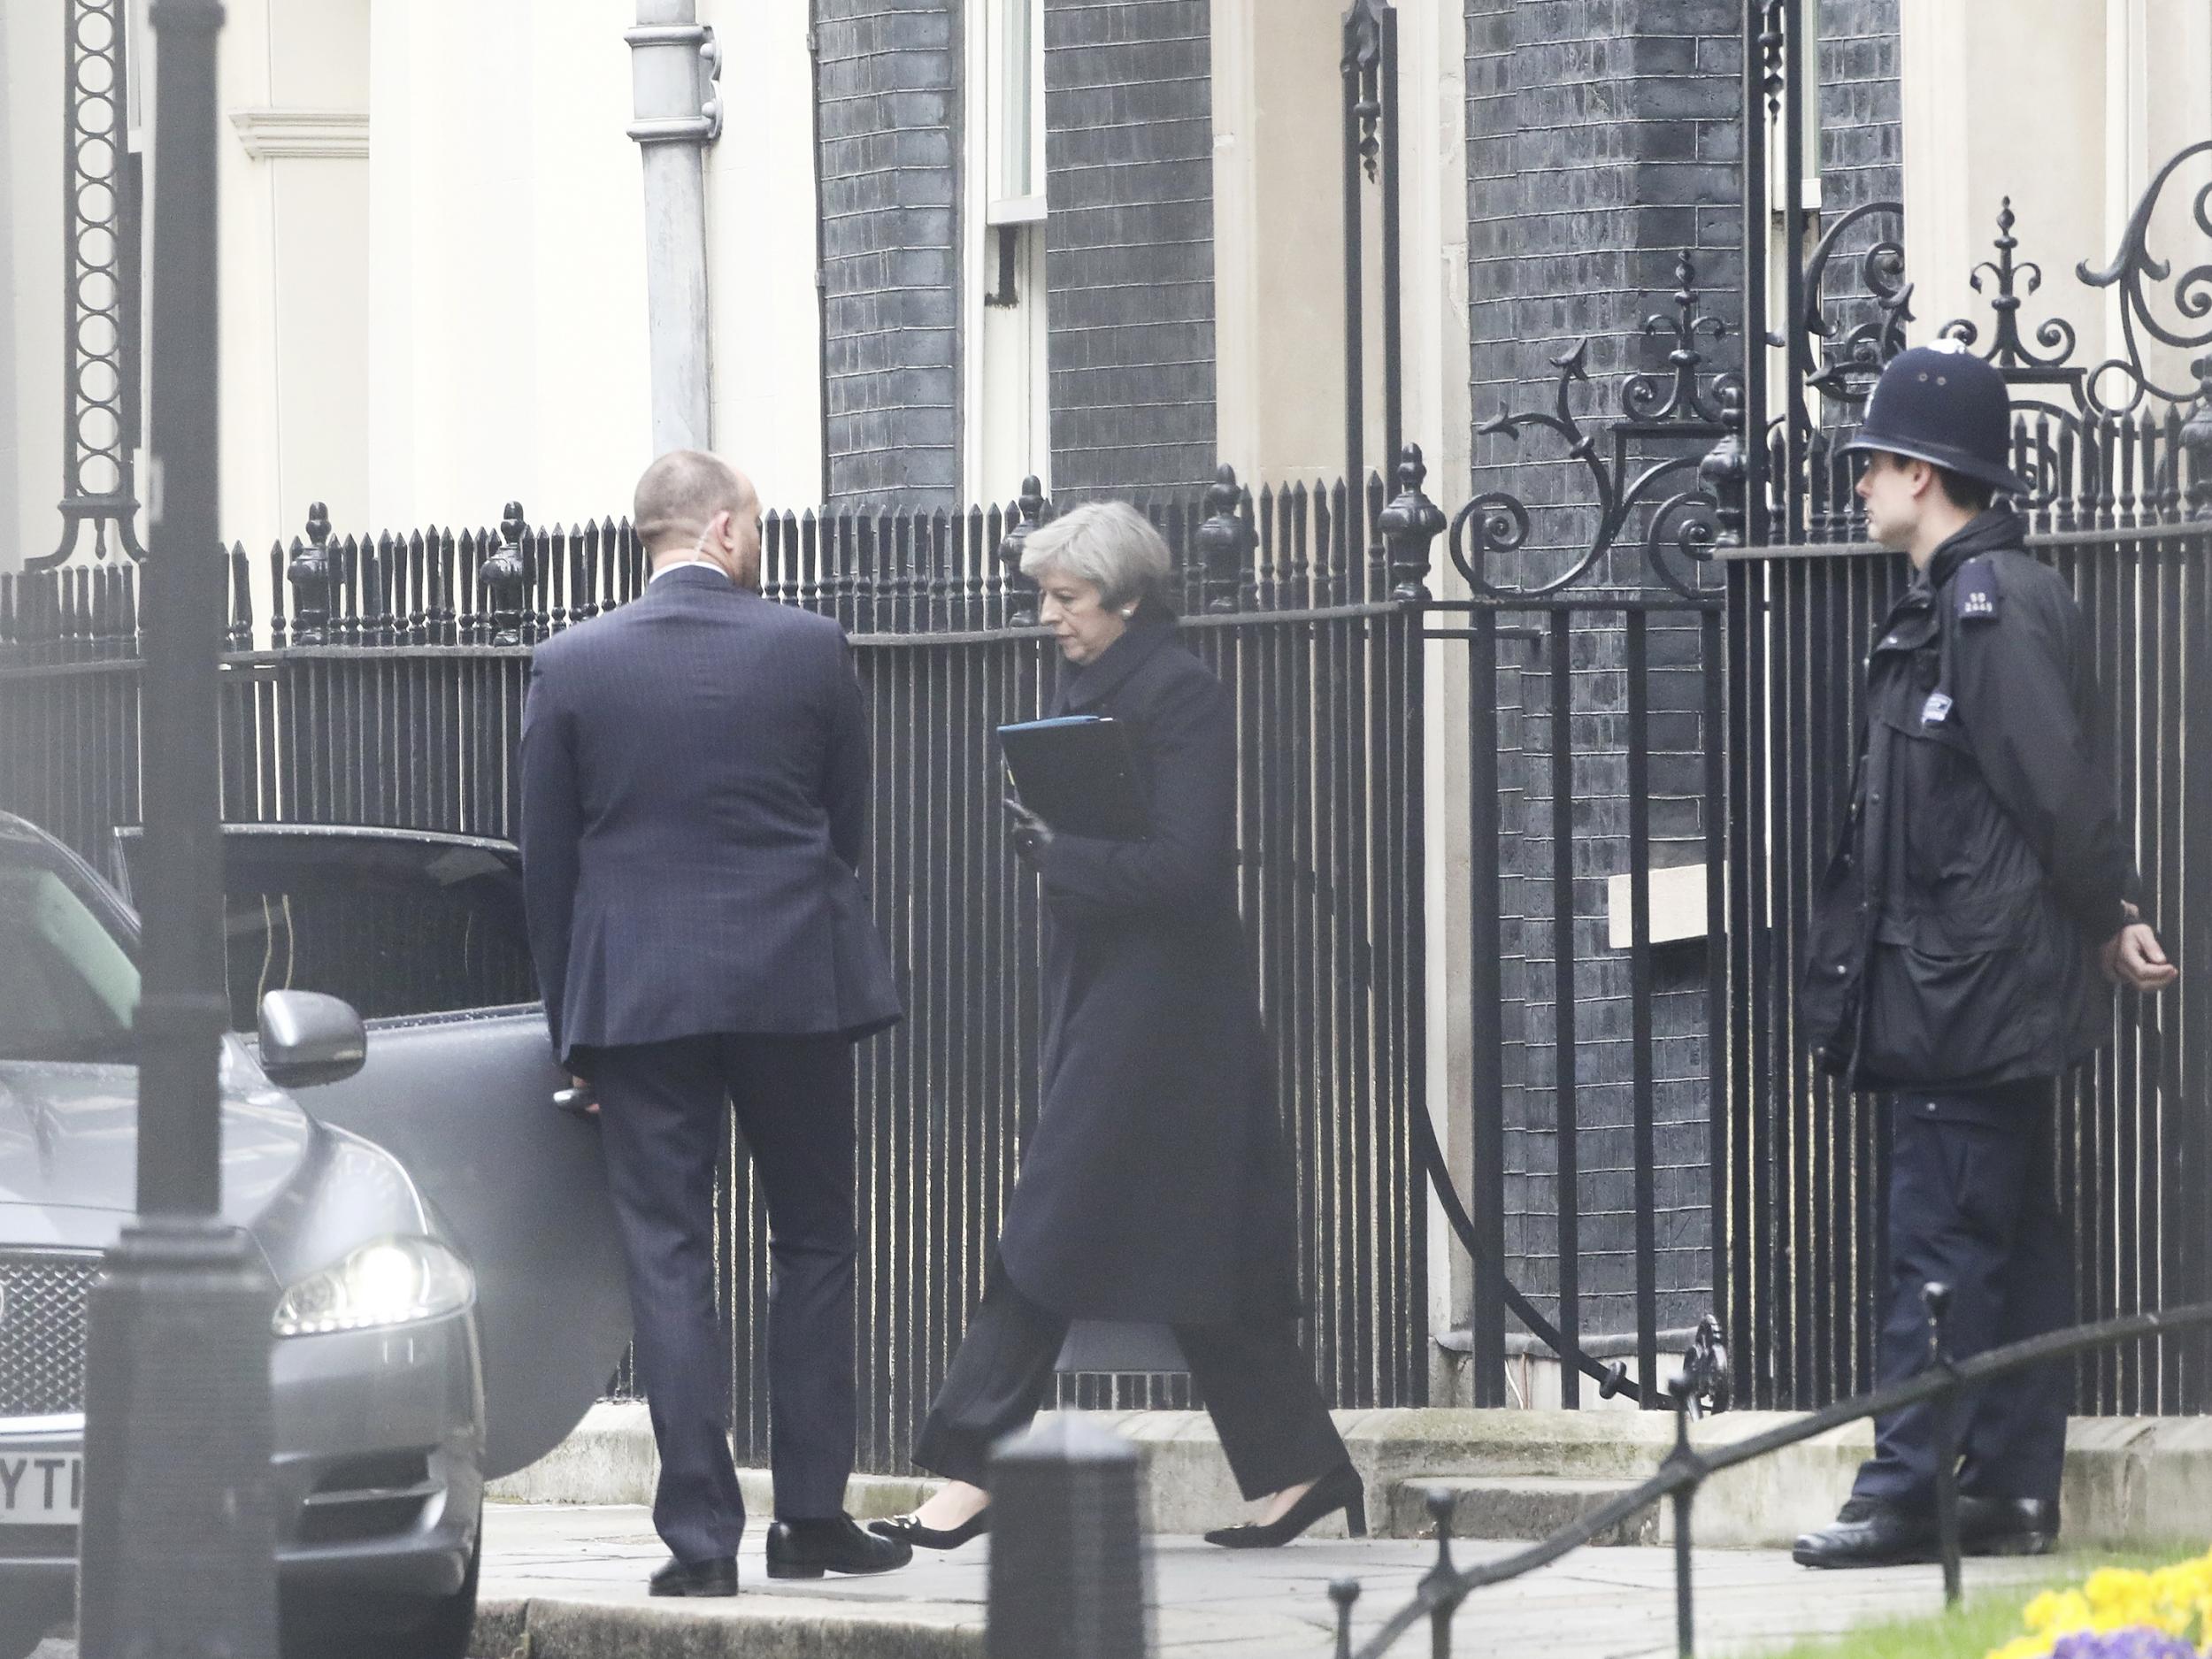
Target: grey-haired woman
<point x="1155" y="1187"/>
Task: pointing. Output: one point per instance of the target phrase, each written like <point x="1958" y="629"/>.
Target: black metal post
<point x="1485" y="987"/>
<point x="1067" y="1564"/>
<point x="1643" y="1085"/>
<point x="1225" y="541"/>
<point x="1442" y="1581"/>
<point x="1685" y="1497"/>
<point x="1021" y="592"/>
<point x="1354" y="354"/>
<point x="1393" y="279"/>
<point x="1798" y="50"/>
<point x="1344" y="1593"/>
<point x="1756" y="105"/>
<point x="506" y="575"/>
<point x="177" y="1546"/>
<point x="1937" y="1298"/>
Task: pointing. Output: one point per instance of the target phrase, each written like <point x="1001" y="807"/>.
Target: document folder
<point x="1078" y="775"/>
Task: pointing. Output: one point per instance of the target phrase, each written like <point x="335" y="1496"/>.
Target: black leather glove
<point x="1030" y="833"/>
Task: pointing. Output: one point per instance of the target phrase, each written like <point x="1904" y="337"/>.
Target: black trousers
<point x="1973" y="1204"/>
<point x="663" y="1123"/>
<point x="1274" y="1428"/>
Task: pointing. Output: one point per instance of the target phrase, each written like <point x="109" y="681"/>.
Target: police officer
<point x="1962" y="939"/>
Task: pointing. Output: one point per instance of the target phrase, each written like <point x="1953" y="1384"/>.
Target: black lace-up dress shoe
<point x="716" y="1576"/>
<point x="1868" y="1534"/>
<point x="807" y="1550"/>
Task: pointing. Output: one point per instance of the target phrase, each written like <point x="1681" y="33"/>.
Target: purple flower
<point x="2139" y="1642"/>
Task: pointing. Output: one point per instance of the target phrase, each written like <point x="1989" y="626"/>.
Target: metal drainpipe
<point x="674" y="63"/>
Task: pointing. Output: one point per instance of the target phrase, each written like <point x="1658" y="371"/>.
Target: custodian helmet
<point x="1941" y="404"/>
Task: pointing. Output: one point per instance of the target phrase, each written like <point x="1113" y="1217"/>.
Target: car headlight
<point x="391" y="1281"/>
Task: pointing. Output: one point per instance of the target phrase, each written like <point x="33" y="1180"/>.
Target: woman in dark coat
<point x="1155" y="1187"/>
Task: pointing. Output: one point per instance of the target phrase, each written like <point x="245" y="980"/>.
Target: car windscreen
<point x="394" y="924"/>
<point x="68" y="986"/>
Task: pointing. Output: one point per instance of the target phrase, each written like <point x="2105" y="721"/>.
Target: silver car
<point x="443" y="1263"/>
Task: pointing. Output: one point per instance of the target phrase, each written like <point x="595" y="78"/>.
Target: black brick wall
<point x="889" y="90"/>
<point x="1861" y="131"/>
<point x="1602" y="144"/>
<point x="1129" y="164"/>
<point x="1861" y="117"/>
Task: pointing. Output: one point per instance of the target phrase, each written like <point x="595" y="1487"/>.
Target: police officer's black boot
<point x="1870" y="1533"/>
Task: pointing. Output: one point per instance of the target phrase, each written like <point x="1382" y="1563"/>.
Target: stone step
<point x="1515" y="1507"/>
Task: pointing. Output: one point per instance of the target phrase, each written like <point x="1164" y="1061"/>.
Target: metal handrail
<point x="1686" y="1467"/>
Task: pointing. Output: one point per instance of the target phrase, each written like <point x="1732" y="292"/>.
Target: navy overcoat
<point x="1155" y="1187"/>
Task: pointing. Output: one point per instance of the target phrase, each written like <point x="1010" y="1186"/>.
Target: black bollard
<point x="1068" y="1578"/>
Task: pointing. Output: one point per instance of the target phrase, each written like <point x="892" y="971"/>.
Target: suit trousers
<point x="1973" y="1204"/>
<point x="663" y="1123"/>
<point x="1274" y="1428"/>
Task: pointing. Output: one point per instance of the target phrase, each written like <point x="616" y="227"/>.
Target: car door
<point x="423" y="934"/>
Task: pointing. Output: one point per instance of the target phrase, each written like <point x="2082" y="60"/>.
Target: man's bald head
<point x="680" y="492"/>
<point x="693" y="505"/>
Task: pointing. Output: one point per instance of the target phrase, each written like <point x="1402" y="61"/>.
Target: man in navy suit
<point x="695" y="799"/>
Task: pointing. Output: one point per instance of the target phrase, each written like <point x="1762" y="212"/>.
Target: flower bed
<point x="2120" y="1613"/>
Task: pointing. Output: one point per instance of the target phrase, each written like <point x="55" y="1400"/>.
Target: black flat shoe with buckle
<point x="908" y="1530"/>
<point x="1340" y="1489"/>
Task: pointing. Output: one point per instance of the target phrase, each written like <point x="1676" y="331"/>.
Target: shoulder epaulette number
<point x="1975" y="591"/>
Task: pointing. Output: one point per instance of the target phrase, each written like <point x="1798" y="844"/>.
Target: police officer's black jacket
<point x="1955" y="936"/>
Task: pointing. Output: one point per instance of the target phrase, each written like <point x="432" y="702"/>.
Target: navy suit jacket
<point x="695" y="802"/>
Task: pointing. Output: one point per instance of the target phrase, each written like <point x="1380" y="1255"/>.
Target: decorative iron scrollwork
<point x="1707" y="1388"/>
<point x="2008" y="351"/>
<point x="100" y="309"/>
<point x="2132" y="268"/>
<point x="1770" y="47"/>
<point x="1850" y="360"/>
<point x="1640" y="392"/>
<point x="1682" y="405"/>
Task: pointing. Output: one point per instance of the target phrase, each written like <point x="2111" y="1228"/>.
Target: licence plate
<point x="41" y="1485"/>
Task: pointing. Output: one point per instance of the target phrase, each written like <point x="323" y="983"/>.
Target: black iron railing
<point x="384" y="687"/>
<point x="1444" y="1590"/>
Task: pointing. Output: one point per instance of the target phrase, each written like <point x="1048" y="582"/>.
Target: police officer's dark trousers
<point x="1973" y="1204"/>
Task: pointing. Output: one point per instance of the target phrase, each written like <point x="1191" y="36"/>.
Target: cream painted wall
<point x="761" y="251"/>
<point x="1278" y="240"/>
<point x="457" y="317"/>
<point x="506" y="305"/>
<point x="295" y="268"/>
<point x="2069" y="110"/>
<point x="1280" y="328"/>
<point x="30" y="281"/>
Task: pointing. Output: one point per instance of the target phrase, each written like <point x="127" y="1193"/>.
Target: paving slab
<point x="573" y="1578"/>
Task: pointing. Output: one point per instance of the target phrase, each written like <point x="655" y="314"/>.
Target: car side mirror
<point x="308" y="1038"/>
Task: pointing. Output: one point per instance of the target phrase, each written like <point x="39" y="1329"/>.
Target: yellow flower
<point x="2176" y="1600"/>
